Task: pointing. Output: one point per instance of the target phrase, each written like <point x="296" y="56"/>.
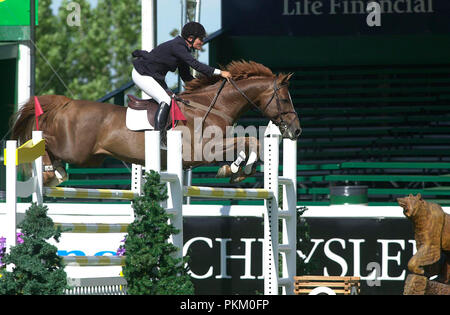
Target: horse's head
<point x="276" y="104"/>
<point x="259" y="87"/>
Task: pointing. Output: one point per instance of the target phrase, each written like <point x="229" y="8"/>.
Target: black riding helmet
<point x="193" y="29"/>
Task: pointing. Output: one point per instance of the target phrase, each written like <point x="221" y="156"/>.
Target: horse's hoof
<point x="61" y="174"/>
<point x="51" y="181"/>
<point x="224" y="171"/>
<point x="237" y="178"/>
<point x="252" y="171"/>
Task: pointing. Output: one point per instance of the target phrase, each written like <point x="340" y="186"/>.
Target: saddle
<point x="150" y="106"/>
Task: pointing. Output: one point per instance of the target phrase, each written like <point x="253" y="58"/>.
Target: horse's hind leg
<point x="54" y="172"/>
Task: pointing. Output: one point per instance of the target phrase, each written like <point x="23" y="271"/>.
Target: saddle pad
<point x="137" y="120"/>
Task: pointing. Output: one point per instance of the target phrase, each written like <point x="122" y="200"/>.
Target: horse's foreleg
<point x="247" y="149"/>
<point x="250" y="166"/>
<point x="236" y="165"/>
<point x="249" y="169"/>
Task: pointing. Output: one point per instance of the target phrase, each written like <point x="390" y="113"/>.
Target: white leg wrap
<point x="235" y="164"/>
<point x="251" y="160"/>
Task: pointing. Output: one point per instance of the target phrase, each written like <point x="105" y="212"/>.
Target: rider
<point x="150" y="68"/>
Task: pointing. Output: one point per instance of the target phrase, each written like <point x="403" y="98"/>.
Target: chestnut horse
<point x="85" y="132"/>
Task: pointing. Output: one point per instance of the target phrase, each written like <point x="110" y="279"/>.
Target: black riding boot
<point x="161" y="116"/>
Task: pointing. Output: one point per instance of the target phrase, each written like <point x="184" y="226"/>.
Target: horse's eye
<point x="285" y="100"/>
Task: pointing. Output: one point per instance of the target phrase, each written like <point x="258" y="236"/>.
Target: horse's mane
<point x="239" y="70"/>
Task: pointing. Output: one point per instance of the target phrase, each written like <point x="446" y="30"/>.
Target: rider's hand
<point x="225" y="74"/>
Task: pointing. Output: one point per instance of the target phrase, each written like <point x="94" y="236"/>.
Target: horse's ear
<point x="289" y="76"/>
<point x="284" y="78"/>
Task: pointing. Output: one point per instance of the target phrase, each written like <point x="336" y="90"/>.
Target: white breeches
<point x="150" y="87"/>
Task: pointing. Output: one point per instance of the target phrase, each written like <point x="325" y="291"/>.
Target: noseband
<point x="278" y="119"/>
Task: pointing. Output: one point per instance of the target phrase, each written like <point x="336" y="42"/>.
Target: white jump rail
<point x="88" y="193"/>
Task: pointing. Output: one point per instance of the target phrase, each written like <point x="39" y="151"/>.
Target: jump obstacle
<point x="33" y="150"/>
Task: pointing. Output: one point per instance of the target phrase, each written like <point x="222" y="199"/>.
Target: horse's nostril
<point x="298" y="132"/>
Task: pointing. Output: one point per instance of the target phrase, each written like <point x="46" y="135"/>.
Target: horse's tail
<point x="24" y="121"/>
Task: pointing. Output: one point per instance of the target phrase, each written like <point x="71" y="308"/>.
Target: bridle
<point x="278" y="119"/>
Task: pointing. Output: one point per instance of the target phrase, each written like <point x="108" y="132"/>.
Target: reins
<point x="213" y="102"/>
<point x="274" y="95"/>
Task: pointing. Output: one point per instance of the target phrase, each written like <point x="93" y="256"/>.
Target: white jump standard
<point x="271" y="246"/>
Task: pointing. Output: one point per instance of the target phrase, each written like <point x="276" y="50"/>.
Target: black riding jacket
<point x="169" y="56"/>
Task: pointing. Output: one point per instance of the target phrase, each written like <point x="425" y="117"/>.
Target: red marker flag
<point x="176" y="113"/>
<point x="37" y="111"/>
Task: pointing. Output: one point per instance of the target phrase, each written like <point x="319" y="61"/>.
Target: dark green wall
<point x="7" y="93"/>
<point x="290" y="52"/>
<point x="8" y="74"/>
